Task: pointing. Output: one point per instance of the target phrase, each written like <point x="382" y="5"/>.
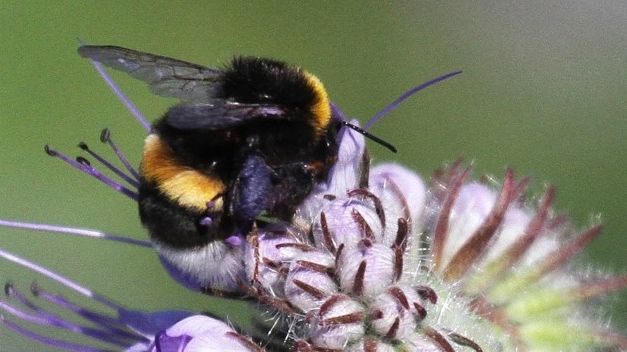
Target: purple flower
<point x="128" y="330"/>
<point x="201" y="333"/>
<point x="373" y="260"/>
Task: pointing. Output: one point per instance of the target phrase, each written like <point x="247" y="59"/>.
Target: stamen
<point x="398" y="262"/>
<point x="319" y="268"/>
<point x="427" y="293"/>
<point x="406" y="95"/>
<point x="64" y="345"/>
<point x="358" y="285"/>
<point x="567" y="251"/>
<point x="105" y="137"/>
<point x="110" y="334"/>
<point x="74" y="231"/>
<point x="440" y="340"/>
<point x="378" y="206"/>
<point x="351" y="318"/>
<point x="359" y="219"/>
<point x="464" y="341"/>
<point x="84" y="166"/>
<point x="106" y="322"/>
<point x="401" y="233"/>
<point x="108" y="165"/>
<point x="400" y="296"/>
<point x="313" y="291"/>
<point x="121" y="96"/>
<point x="45" y="318"/>
<point x="422" y="311"/>
<point x="475" y="247"/>
<point x="330" y="302"/>
<point x="393" y="329"/>
<point x="59" y="279"/>
<point x="441" y="228"/>
<point x="516" y="251"/>
<point x="326" y="233"/>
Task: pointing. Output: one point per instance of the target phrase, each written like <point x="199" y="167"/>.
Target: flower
<point x="127" y="330"/>
<point x="511" y="259"/>
<point x="373" y="260"/>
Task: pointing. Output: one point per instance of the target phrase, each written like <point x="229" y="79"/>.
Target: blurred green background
<point x="543" y="91"/>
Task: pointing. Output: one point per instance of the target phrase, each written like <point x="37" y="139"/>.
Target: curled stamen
<point x="378" y="206"/>
<point x="366" y="230"/>
<point x="399" y="295"/>
<point x="427" y="293"/>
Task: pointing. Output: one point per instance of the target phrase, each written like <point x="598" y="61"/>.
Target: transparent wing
<point x="166" y="76"/>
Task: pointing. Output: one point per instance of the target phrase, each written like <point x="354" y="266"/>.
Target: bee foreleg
<point x="251" y="191"/>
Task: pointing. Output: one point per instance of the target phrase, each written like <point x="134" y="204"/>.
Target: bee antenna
<point x="406" y="95"/>
<point x="370" y="135"/>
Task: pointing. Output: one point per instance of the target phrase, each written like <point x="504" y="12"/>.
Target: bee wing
<point x="220" y="115"/>
<point x="166" y="76"/>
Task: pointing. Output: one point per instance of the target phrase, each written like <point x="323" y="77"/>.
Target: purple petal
<point x="346" y="173"/>
<point x="150" y="323"/>
<point x="165" y="343"/>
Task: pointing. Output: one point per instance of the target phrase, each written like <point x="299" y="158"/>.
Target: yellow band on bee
<point x="184" y="185"/>
<point x="321" y="108"/>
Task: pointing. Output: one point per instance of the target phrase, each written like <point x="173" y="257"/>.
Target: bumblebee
<point x="248" y="140"/>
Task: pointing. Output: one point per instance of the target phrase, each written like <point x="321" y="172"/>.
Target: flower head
<point x="373" y="260"/>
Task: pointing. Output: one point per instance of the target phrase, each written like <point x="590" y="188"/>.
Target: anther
<point x="83" y="161"/>
<point x="50" y="151"/>
<point x="105" y="135"/>
<point x="8" y="288"/>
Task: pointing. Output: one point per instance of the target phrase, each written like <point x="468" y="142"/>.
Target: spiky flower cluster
<point x="343" y="268"/>
<point x="373" y="260"/>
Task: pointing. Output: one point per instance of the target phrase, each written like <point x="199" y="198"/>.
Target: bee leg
<point x="251" y="191"/>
